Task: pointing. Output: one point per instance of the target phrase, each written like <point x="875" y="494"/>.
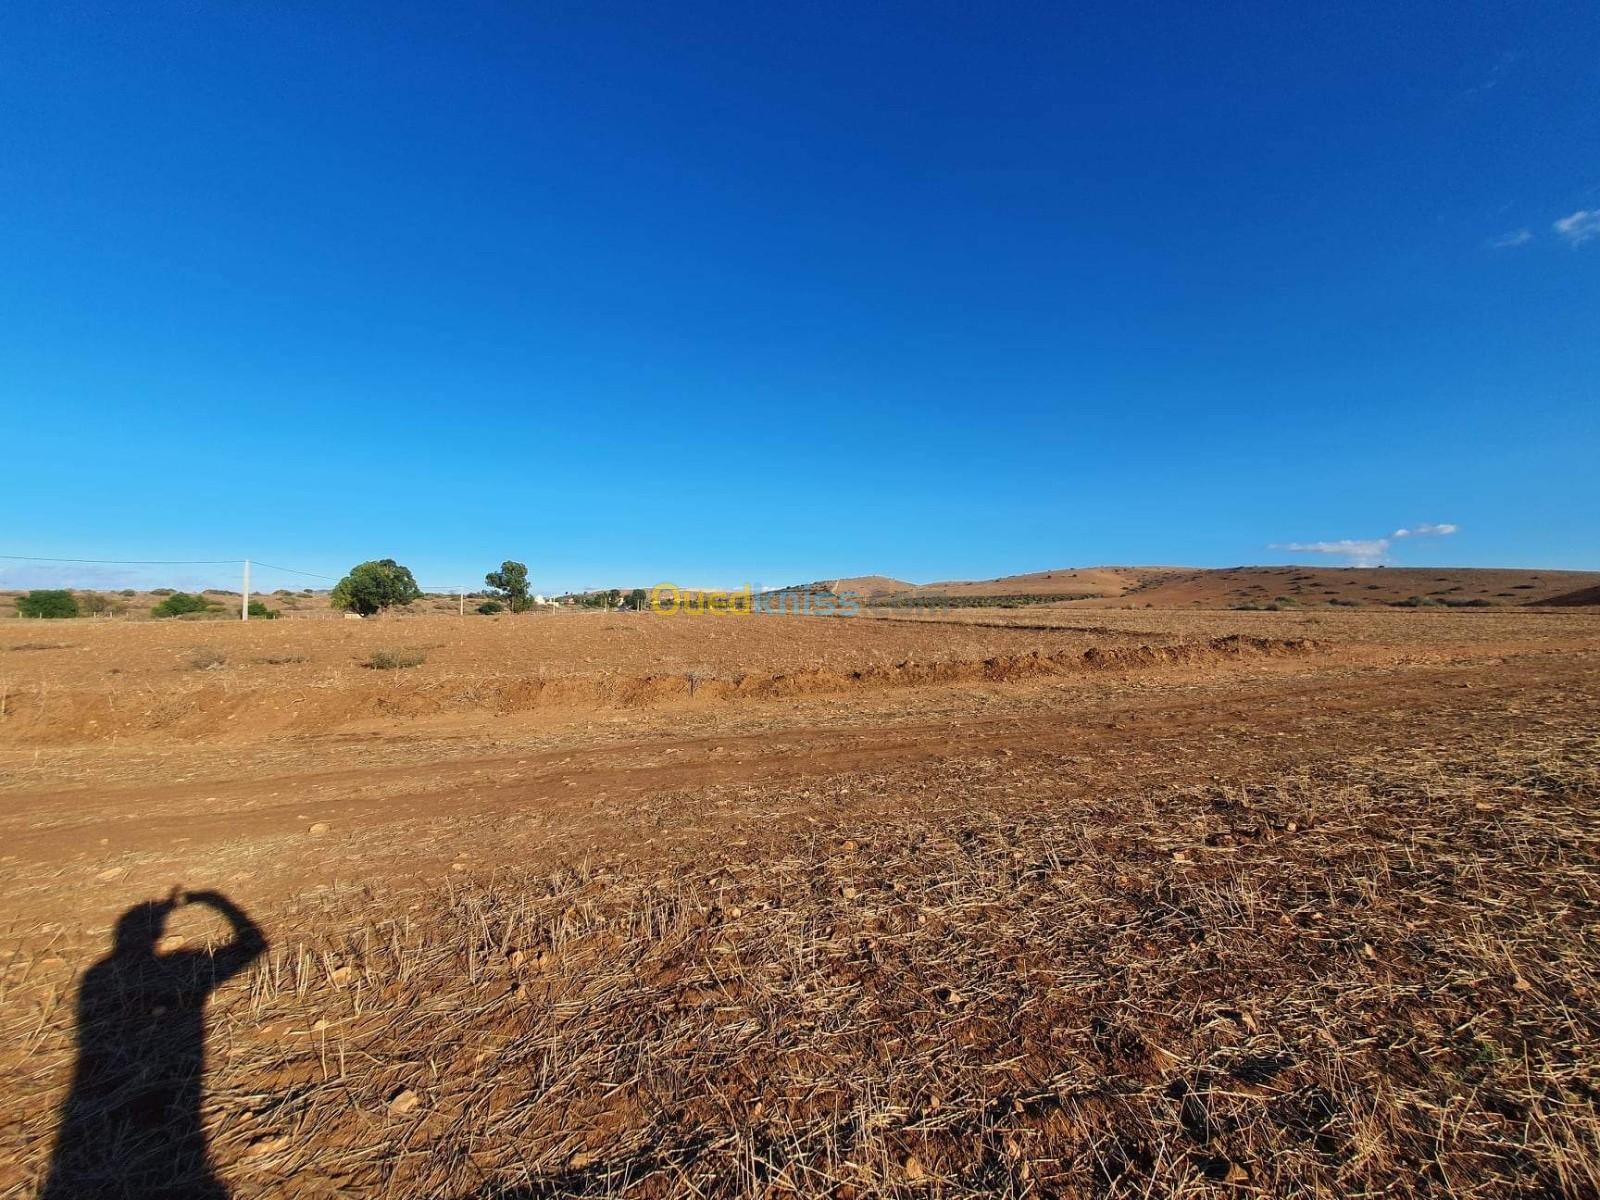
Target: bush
<point x="179" y="603"/>
<point x="206" y="658"/>
<point x="393" y="660"/>
<point x="489" y="607"/>
<point x="373" y="586"/>
<point x="258" y="609"/>
<point x="95" y="605"/>
<point x="162" y="592"/>
<point x="49" y="603"/>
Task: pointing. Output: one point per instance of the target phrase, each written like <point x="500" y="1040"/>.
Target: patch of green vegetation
<point x="50" y="604"/>
<point x="178" y="604"/>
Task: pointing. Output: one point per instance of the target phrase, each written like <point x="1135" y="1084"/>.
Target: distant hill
<point x="1452" y="586"/>
<point x="1234" y="587"/>
<point x="867" y="586"/>
<point x="1583" y="596"/>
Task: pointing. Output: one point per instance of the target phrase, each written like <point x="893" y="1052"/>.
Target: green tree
<point x="48" y="603"/>
<point x="638" y="600"/>
<point x="510" y="583"/>
<point x="179" y="603"/>
<point x="373" y="586"/>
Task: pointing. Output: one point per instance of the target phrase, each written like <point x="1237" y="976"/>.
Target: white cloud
<point x="1367" y="552"/>
<point x="1444" y="529"/>
<point x="1362" y="552"/>
<point x="1580" y="226"/>
<point x="1517" y="237"/>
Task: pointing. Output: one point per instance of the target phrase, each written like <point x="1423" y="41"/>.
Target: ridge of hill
<point x="1245" y="586"/>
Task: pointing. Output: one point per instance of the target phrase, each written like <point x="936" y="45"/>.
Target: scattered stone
<point x="318" y="827"/>
<point x="111" y="873"/>
<point x="404" y="1101"/>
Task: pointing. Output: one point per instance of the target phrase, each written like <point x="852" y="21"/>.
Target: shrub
<point x="258" y="609"/>
<point x="96" y="605"/>
<point x="373" y="586"/>
<point x="127" y="592"/>
<point x="206" y="658"/>
<point x="393" y="660"/>
<point x="489" y="607"/>
<point x="162" y="592"/>
<point x="177" y="604"/>
<point x="49" y="603"/>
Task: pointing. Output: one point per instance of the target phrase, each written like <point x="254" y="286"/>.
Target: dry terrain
<point x="1053" y="901"/>
<point x="1230" y="587"/>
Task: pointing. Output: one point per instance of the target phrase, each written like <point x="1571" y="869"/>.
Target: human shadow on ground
<point x="130" y="1125"/>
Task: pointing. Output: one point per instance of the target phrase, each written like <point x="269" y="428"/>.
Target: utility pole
<point x="244" y="598"/>
<point x="461" y="598"/>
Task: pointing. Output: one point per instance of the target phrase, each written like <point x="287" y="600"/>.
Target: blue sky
<point x="717" y="293"/>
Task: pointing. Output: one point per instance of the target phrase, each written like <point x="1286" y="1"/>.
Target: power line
<point x="163" y="562"/>
<point x="131" y="562"/>
<point x="290" y="570"/>
<point x="209" y="562"/>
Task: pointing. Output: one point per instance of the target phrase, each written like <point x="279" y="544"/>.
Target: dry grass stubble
<point x="1380" y="978"/>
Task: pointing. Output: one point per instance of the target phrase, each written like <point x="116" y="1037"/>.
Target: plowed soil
<point x="1036" y="902"/>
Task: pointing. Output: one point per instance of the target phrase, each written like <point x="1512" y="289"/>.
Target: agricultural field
<point x="1055" y="901"/>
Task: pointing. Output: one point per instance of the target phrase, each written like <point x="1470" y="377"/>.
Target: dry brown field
<point x="1053" y="901"/>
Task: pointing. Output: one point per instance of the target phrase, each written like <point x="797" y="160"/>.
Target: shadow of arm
<point x="248" y="940"/>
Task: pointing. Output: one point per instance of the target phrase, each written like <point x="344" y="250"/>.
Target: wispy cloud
<point x="1580" y="227"/>
<point x="1362" y="552"/>
<point x="1517" y="237"/>
<point x="1441" y="530"/>
<point x="1367" y="552"/>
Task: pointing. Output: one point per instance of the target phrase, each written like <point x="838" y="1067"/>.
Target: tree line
<point x="367" y="589"/>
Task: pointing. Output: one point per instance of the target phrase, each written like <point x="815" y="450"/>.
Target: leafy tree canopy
<point x="48" y="603"/>
<point x="179" y="603"/>
<point x="510" y="583"/>
<point x="373" y="586"/>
